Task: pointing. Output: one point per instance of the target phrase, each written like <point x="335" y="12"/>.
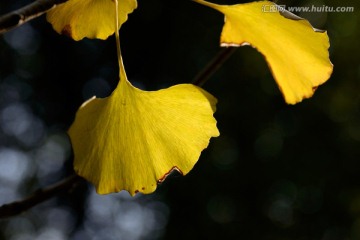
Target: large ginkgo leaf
<point x="89" y="18"/>
<point x="296" y="52"/>
<point x="133" y="139"/>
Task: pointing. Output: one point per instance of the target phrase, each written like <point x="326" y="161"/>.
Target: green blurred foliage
<point x="277" y="172"/>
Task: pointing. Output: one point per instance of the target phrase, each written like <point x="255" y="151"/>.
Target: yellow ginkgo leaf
<point x="296" y="52"/>
<point x="89" y="18"/>
<point x="133" y="139"/>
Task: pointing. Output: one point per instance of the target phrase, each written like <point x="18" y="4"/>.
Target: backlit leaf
<point x="133" y="139"/>
<point x="296" y="52"/>
<point x="89" y="18"/>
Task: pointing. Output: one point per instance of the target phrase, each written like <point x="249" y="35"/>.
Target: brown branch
<point x="41" y="195"/>
<point x="22" y="15"/>
<point x="213" y="66"/>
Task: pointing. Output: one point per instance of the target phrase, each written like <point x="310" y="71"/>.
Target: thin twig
<point x="213" y="66"/>
<point x="22" y="15"/>
<point x="41" y="195"/>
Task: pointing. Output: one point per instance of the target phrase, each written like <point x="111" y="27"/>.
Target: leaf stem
<point x="117" y="37"/>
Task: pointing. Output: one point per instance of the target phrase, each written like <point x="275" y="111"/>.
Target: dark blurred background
<point x="277" y="172"/>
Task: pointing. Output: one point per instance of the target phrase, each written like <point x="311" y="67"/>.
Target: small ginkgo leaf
<point x="296" y="52"/>
<point x="89" y="18"/>
<point x="133" y="139"/>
